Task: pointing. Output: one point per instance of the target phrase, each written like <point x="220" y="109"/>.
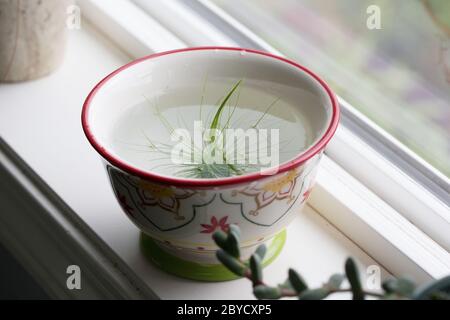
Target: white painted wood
<point x="132" y="29"/>
<point x="165" y="11"/>
<point x="41" y="120"/>
<point x="47" y="237"/>
<point x="384" y="233"/>
<point x="403" y="193"/>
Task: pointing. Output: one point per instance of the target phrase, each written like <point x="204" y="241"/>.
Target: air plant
<point x="296" y="286"/>
<point x="216" y="125"/>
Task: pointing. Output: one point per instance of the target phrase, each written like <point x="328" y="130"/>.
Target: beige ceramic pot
<point x="32" y="38"/>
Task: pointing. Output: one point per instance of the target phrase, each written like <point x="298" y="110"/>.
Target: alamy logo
<point x="73" y="281"/>
<point x="258" y="147"/>
<point x="374" y="19"/>
<point x="373" y="280"/>
<point x="73" y="21"/>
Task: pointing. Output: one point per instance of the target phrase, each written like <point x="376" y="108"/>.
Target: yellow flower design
<point x="276" y="189"/>
<point x="165" y="197"/>
<point x="157" y="191"/>
<point x="278" y="185"/>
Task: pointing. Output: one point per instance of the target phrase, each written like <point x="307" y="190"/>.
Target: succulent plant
<point x="296" y="286"/>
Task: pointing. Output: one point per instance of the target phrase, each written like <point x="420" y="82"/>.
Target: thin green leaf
<point x="265" y="112"/>
<point x="215" y="122"/>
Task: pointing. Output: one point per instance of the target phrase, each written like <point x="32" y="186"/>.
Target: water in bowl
<point x="167" y="133"/>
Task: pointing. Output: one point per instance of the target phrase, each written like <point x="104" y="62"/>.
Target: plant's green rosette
<point x="199" y="271"/>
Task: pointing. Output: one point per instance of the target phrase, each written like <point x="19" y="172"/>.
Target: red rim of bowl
<point x="184" y="182"/>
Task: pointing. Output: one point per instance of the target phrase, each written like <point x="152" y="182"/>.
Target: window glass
<point x="389" y="59"/>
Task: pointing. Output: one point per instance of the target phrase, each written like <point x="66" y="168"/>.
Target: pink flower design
<point x="221" y="224"/>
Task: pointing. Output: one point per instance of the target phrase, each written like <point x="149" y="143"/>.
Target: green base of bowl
<point x="200" y="271"/>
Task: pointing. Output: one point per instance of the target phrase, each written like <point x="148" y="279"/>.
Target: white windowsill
<point x="41" y="121"/>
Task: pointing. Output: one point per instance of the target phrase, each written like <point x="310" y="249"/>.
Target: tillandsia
<point x="216" y="170"/>
<point x="213" y="140"/>
<point x="401" y="288"/>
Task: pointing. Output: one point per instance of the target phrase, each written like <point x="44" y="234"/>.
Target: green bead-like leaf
<point x="261" y="251"/>
<point x="406" y="286"/>
<point x="232" y="246"/>
<point x="228" y="242"/>
<point x="286" y="285"/>
<point x="314" y="294"/>
<point x="352" y="274"/>
<point x="390" y="296"/>
<point x="335" y="281"/>
<point x="220" y="238"/>
<point x="401" y="286"/>
<point x="265" y="292"/>
<point x="297" y="281"/>
<point x="388" y="285"/>
<point x="256" y="269"/>
<point x="430" y="290"/>
<point x="439" y="295"/>
<point x="235" y="229"/>
<point x="233" y="264"/>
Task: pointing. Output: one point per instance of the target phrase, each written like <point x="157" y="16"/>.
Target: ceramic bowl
<point x="178" y="215"/>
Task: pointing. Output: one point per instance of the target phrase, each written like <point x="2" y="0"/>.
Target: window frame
<point x="46" y="236"/>
<point x="359" y="213"/>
